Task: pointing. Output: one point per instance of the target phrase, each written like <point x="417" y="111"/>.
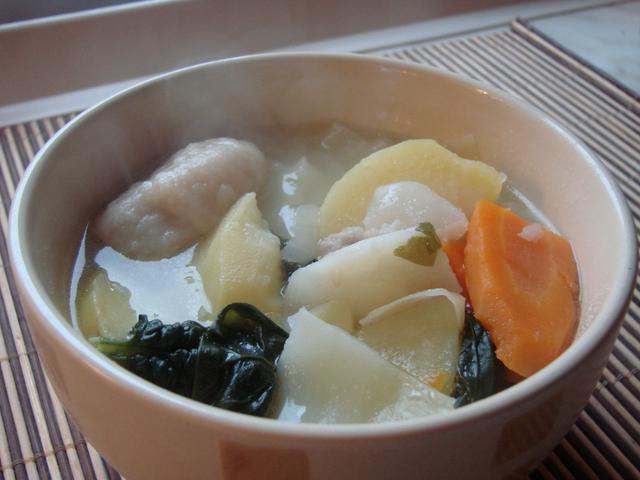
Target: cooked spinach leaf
<point x="231" y="364"/>
<point x="421" y="249"/>
<point x="476" y="363"/>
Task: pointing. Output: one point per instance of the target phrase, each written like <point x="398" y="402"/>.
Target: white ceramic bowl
<point x="147" y="432"/>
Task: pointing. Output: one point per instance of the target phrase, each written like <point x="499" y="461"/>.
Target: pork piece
<point x="345" y="237"/>
<point x="182" y="200"/>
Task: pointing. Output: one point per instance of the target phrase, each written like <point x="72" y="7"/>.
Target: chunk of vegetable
<point x="523" y="290"/>
<point x="338" y="313"/>
<point x="103" y="309"/>
<point x="230" y="365"/>
<point x="460" y="181"/>
<point x="366" y="275"/>
<point x="398" y="206"/>
<point x="327" y="376"/>
<point x="407" y="204"/>
<point x="301" y="247"/>
<point x="240" y="261"/>
<point x="420" y="334"/>
<point x="289" y="186"/>
<point x="476" y="376"/>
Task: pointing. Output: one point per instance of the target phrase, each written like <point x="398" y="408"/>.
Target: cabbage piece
<point x="419" y="333"/>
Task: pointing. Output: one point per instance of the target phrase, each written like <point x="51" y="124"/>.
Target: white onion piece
<point x="406" y="204"/>
<point x="398" y="206"/>
<point x="289" y="186"/>
<point x="302" y="244"/>
<point x="420" y="334"/>
<point x="403" y="303"/>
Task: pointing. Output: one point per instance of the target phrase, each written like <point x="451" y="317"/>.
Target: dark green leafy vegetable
<point x="476" y="363"/>
<point x="230" y="365"/>
<point x="421" y="249"/>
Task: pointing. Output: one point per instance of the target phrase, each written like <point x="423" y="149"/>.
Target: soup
<point x="326" y="275"/>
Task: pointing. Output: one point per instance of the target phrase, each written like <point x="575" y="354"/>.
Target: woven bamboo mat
<point x="37" y="439"/>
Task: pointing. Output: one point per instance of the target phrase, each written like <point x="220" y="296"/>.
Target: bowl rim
<point x="57" y="326"/>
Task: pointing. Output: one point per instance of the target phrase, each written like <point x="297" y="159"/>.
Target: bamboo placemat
<point x="37" y="439"/>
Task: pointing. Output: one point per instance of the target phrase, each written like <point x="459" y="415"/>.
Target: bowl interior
<point x="121" y="140"/>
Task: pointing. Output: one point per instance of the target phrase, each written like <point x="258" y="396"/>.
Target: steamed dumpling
<point x="182" y="200"/>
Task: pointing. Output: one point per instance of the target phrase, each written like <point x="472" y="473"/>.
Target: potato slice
<point x="240" y="261"/>
<point x="420" y="334"/>
<point x="366" y="275"/>
<point x="327" y="376"/>
<point x="461" y="181"/>
<point x="338" y="313"/>
<point x="103" y="308"/>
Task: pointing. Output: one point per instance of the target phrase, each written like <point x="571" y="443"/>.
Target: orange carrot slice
<point x="455" y="252"/>
<point x="523" y="286"/>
